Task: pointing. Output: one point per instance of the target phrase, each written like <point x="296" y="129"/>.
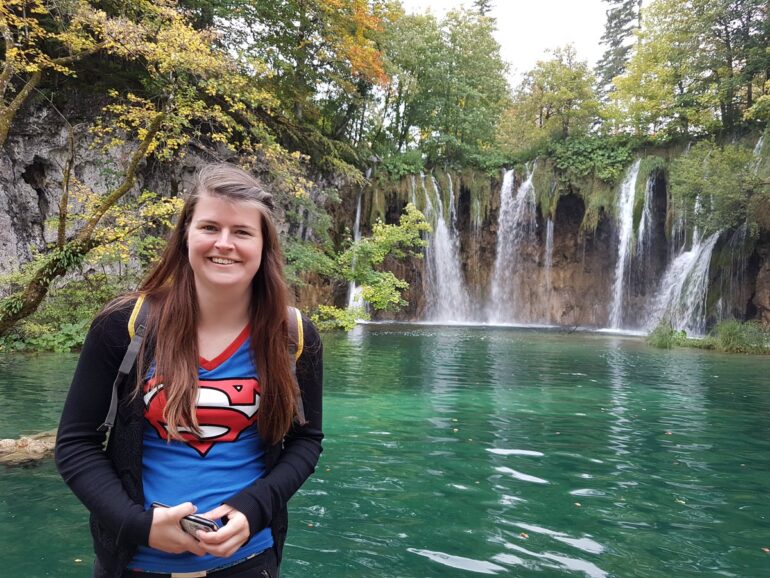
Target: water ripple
<point x="459" y="562"/>
<point x="585" y="543"/>
<point x="521" y="476"/>
<point x="574" y="564"/>
<point x="503" y="452"/>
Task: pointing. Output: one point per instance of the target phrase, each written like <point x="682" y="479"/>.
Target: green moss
<point x="546" y="184"/>
<point x="377" y="207"/>
<point x="599" y="198"/>
<point x="480" y="187"/>
<point x="647" y="169"/>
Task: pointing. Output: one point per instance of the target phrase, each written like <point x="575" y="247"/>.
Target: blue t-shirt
<point x="205" y="470"/>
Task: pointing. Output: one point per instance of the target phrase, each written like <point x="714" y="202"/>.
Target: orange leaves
<point x="353" y="26"/>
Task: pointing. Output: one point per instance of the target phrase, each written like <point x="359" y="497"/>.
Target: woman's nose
<point x="223" y="240"/>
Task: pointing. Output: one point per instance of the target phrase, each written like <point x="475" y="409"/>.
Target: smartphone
<point x="193" y="523"/>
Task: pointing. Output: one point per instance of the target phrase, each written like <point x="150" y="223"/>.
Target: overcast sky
<point x="526" y="29"/>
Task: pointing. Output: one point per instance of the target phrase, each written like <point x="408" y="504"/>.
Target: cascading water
<point x="548" y="252"/>
<point x="644" y="234"/>
<point x="516" y="228"/>
<point x="355" y="298"/>
<point x="548" y="263"/>
<point x="448" y="298"/>
<point x="626" y="221"/>
<point x="681" y="298"/>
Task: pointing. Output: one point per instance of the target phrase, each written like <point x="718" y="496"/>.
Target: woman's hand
<point x="166" y="533"/>
<point x="225" y="541"/>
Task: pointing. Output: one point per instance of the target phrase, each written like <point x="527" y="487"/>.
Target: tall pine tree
<point x="623" y="18"/>
<point x="483" y="7"/>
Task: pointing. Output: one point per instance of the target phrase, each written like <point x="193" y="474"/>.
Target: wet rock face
<point x="577" y="288"/>
<point x="582" y="268"/>
<point x="760" y="301"/>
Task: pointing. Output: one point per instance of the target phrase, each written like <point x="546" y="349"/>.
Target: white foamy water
<point x="626" y="230"/>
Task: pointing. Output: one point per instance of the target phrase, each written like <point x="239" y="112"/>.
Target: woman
<point x="210" y="419"/>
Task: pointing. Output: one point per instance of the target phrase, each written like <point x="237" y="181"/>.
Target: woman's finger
<point x="225" y="541"/>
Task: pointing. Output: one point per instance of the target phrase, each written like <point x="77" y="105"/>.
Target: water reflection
<point x="461" y="451"/>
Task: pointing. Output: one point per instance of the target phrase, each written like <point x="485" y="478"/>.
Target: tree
<point x="623" y="19"/>
<point x="696" y="67"/>
<point x="555" y="100"/>
<point x="413" y="46"/>
<point x="361" y="262"/>
<point x="39" y="38"/>
<point x="483" y="7"/>
<point x="447" y="85"/>
<point x="193" y="91"/>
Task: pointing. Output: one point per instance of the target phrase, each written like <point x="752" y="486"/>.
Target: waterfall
<point x="548" y="266"/>
<point x="548" y="252"/>
<point x="448" y="298"/>
<point x="516" y="228"/>
<point x="355" y="299"/>
<point x="758" y="146"/>
<point x="644" y="235"/>
<point x="681" y="297"/>
<point x="626" y="219"/>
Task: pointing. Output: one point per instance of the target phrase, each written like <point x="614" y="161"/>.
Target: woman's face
<point x="224" y="242"/>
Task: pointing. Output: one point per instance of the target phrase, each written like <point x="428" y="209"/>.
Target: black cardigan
<point x="109" y="481"/>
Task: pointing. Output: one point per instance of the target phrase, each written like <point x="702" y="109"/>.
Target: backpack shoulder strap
<point x="296" y="344"/>
<point x="136" y="327"/>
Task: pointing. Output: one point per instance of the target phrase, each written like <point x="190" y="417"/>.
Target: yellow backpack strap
<point x="135" y="315"/>
<point x="300" y="334"/>
<point x="296" y="344"/>
<point x="136" y="325"/>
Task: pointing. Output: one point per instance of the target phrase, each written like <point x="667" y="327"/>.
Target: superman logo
<point x="225" y="408"/>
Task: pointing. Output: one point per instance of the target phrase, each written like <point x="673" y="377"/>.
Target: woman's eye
<point x="244" y="233"/>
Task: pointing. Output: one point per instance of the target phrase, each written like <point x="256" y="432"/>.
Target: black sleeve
<point x="79" y="446"/>
<point x="302" y="445"/>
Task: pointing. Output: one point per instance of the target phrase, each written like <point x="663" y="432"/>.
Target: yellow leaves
<point x="123" y="230"/>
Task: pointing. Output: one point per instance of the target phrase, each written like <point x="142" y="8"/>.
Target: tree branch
<point x="8" y="112"/>
<point x="63" y="202"/>
<point x="128" y="180"/>
<point x="5" y="76"/>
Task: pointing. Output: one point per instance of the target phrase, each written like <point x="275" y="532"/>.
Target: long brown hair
<point x="171" y="325"/>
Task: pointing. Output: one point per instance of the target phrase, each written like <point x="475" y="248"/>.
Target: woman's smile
<point x="222" y="261"/>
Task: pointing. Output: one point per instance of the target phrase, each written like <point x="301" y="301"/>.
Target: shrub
<point x="736" y="337"/>
<point x="664" y="336"/>
<point x="330" y="318"/>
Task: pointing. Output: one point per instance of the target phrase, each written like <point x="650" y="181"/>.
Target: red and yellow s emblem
<point x="225" y="409"/>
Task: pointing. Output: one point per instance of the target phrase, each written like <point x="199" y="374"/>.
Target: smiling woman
<point x="216" y="420"/>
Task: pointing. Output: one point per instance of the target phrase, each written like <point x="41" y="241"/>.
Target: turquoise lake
<point x="463" y="451"/>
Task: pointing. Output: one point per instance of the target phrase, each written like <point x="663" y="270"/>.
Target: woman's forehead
<point x="218" y="208"/>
